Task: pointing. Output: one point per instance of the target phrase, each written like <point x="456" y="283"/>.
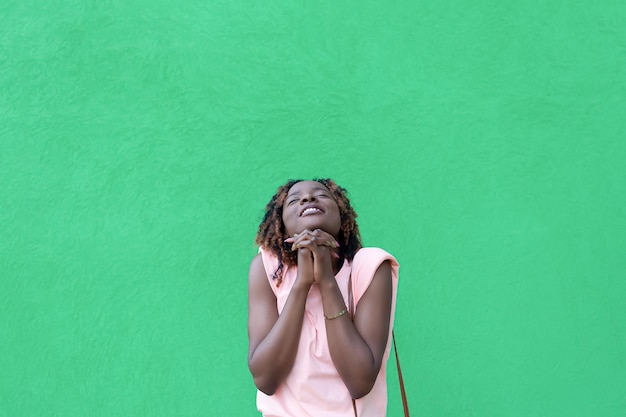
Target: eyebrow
<point x="316" y="188"/>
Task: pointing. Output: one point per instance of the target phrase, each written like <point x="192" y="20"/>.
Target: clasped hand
<point x="315" y="249"/>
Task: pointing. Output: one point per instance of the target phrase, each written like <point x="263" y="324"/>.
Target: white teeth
<point x="311" y="210"/>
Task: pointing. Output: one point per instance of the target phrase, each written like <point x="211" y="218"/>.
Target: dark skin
<point x="312" y="219"/>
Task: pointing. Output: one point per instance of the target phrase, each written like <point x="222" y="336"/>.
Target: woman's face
<point x="310" y="205"/>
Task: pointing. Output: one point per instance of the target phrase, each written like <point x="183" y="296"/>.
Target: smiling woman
<point x="307" y="356"/>
<point x="311" y="206"/>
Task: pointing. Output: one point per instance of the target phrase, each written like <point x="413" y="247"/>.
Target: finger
<point x="325" y="237"/>
<point x="291" y="239"/>
<point x="301" y="242"/>
<point x="306" y="244"/>
<point x="331" y="243"/>
<point x="305" y="258"/>
<point x="304" y="236"/>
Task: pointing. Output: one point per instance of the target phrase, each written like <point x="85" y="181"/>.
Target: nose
<point x="307" y="198"/>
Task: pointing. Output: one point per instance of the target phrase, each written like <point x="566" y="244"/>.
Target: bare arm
<point x="273" y="338"/>
<point x="356" y="347"/>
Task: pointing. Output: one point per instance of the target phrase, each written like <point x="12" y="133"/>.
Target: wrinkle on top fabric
<point x="314" y="388"/>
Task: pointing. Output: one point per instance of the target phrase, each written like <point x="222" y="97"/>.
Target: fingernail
<point x="288" y="240"/>
<point x="335" y="255"/>
<point x="337" y="243"/>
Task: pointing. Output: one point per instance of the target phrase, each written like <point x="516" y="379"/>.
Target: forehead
<point x="304" y="186"/>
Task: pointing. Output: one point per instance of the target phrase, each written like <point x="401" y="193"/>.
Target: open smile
<point x="310" y="210"/>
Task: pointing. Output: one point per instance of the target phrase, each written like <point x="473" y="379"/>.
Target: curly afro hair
<point x="271" y="234"/>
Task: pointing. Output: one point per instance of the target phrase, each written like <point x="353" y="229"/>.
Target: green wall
<point x="483" y="144"/>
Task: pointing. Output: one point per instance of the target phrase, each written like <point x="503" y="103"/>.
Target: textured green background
<point x="483" y="144"/>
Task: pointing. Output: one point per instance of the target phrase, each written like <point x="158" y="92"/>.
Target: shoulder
<point x="258" y="283"/>
<point x="257" y="262"/>
<point x="365" y="265"/>
<point x="372" y="258"/>
<point x="265" y="265"/>
<point x="269" y="261"/>
<point x="257" y="270"/>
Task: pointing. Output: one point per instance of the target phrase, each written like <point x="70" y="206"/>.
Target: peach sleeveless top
<point x="314" y="388"/>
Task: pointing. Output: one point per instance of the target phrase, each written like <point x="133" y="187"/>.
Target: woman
<point x="307" y="354"/>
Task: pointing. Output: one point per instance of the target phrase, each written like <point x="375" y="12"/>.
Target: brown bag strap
<point x="351" y="310"/>
<point x="405" y="404"/>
